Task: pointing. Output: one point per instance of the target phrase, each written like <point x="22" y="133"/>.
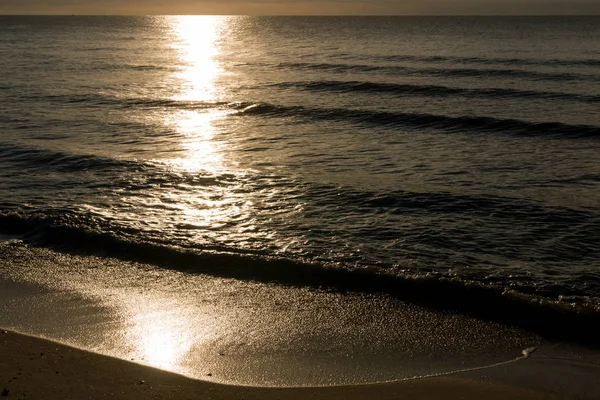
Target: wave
<point x="424" y="121"/>
<point x="81" y="234"/>
<point x="384" y="119"/>
<point x="56" y="160"/>
<point x="441" y="72"/>
<point x="111" y="171"/>
<point x="134" y="178"/>
<point x="135" y="67"/>
<point x="506" y="229"/>
<point x="432" y="90"/>
<point x="102" y="100"/>
<point x="490" y="61"/>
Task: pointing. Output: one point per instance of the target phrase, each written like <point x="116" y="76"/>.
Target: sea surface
<point x="312" y="151"/>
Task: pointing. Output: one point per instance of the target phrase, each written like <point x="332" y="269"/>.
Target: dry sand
<point x="33" y="368"/>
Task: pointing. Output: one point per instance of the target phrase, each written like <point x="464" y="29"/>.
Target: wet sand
<point x="33" y="368"/>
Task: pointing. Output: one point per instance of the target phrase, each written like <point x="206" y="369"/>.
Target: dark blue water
<point x="462" y="150"/>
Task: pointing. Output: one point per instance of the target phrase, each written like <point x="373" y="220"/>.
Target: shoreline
<point x="548" y="318"/>
<point x="36" y="368"/>
<point x="196" y="324"/>
<point x="252" y="340"/>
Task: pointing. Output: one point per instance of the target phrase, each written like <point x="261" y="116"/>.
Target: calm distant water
<point x="464" y="148"/>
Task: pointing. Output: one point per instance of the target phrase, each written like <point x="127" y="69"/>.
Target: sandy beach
<point x="34" y="368"/>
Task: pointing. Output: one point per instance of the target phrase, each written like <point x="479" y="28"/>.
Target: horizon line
<point x="300" y="15"/>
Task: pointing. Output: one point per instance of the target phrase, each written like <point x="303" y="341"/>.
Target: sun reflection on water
<point x="202" y="152"/>
<point x="197" y="40"/>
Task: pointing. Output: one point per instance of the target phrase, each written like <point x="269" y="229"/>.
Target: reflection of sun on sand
<point x="160" y="340"/>
<point x="33" y="368"/>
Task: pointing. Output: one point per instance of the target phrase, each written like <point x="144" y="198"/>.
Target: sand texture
<point x="33" y="368"/>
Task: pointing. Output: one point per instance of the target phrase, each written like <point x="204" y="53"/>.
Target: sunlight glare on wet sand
<point x="161" y="336"/>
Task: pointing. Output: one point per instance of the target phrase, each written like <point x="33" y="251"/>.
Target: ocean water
<point x="363" y="153"/>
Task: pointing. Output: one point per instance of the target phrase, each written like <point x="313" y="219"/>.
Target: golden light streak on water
<point x="202" y="152"/>
<point x="197" y="40"/>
